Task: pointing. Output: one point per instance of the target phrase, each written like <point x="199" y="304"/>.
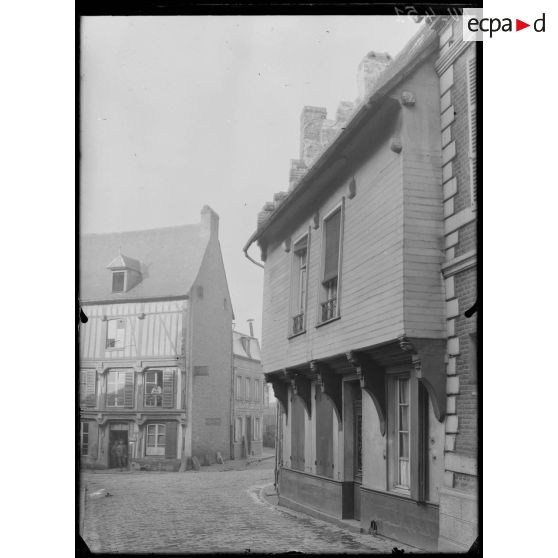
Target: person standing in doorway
<point x="119" y="451"/>
<point x="113" y="458"/>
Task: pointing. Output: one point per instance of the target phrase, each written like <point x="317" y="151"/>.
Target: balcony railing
<point x="329" y="309"/>
<point x="153" y="400"/>
<point x="298" y="323"/>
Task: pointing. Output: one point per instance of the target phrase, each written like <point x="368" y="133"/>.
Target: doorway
<point x="248" y="436"/>
<point x="117" y="432"/>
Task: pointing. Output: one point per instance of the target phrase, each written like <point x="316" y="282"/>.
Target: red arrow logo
<point x="519" y="25"/>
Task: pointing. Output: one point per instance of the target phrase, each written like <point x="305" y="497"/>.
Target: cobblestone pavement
<point x="217" y="510"/>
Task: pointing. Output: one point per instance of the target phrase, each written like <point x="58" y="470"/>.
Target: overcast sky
<point x="178" y="112"/>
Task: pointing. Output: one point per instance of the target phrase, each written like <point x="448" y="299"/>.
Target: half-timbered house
<point x="156" y="350"/>
<point x="354" y="337"/>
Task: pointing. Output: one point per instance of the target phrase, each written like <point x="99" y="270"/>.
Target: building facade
<point x="456" y="68"/>
<point x="356" y="300"/>
<point x="248" y="404"/>
<point x="156" y="350"/>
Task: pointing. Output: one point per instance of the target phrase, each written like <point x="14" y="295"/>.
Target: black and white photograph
<point x="278" y="284"/>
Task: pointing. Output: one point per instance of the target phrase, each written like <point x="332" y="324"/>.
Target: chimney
<point x="251" y="326"/>
<point x="369" y="71"/>
<point x="209" y="222"/>
<point x="311" y="121"/>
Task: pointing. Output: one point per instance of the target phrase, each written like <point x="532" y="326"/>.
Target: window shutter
<point x="472" y="101"/>
<point x="332" y="233"/>
<point x="89" y="394"/>
<point x="168" y="388"/>
<point x="129" y="389"/>
<point x="170" y="440"/>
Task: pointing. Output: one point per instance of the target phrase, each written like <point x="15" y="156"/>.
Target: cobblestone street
<point x="212" y="510"/>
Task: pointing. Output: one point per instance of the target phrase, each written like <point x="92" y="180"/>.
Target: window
<point x="402" y="428"/>
<point x="84" y="438"/>
<point x="156" y="439"/>
<point x="87" y="387"/>
<point x="257" y="391"/>
<point x="120" y="388"/>
<point x="472" y="106"/>
<point x="239" y="387"/>
<point x="237" y="429"/>
<point x="257" y="429"/>
<point x="299" y="286"/>
<point x="118" y="278"/>
<point x="153" y="388"/>
<point x="329" y="306"/>
<point x="116" y="332"/>
<point x="247" y="387"/>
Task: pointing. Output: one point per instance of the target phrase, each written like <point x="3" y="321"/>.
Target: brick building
<point x="362" y="336"/>
<point x="249" y="390"/>
<point x="456" y="67"/>
<point x="156" y="351"/>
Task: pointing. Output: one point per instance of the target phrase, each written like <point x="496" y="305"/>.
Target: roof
<point x="124" y="262"/>
<point x="250" y="348"/>
<point x="414" y="52"/>
<point x="169" y="258"/>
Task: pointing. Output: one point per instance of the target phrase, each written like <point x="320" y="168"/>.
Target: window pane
<point x="403" y="391"/>
<point x="404" y="418"/>
<point x="404" y="445"/>
<point x="117" y="281"/>
<point x="404" y="473"/>
<point x="150" y="439"/>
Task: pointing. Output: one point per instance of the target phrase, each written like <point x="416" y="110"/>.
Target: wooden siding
<point x="392" y="247"/>
<point x="371" y="292"/>
<point x="159" y="334"/>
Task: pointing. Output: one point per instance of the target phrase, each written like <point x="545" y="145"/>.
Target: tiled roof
<point x="170" y="259"/>
<point x="252" y="344"/>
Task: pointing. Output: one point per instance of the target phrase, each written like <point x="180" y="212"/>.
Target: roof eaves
<point x="366" y="110"/>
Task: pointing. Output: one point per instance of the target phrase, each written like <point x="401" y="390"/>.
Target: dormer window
<point x="118" y="278"/>
<point x="126" y="273"/>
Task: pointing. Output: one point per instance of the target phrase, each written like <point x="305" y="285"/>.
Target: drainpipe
<point x="251" y="259"/>
<point x="276" y="472"/>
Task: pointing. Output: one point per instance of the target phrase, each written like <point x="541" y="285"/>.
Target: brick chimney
<point x="209" y="222"/>
<point x="369" y="70"/>
<point x="311" y="122"/>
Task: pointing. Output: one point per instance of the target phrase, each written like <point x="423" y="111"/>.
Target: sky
<point x="179" y="112"/>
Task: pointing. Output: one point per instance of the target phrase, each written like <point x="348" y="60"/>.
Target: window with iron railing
<point x="299" y="286"/>
<point x="329" y="296"/>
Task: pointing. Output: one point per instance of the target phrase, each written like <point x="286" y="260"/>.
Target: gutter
<point x="365" y="111"/>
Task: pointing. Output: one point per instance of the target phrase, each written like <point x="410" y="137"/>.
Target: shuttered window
<point x="153" y="396"/>
<point x="120" y="388"/>
<point x="329" y="303"/>
<point x="168" y="388"/>
<point x="87" y="388"/>
<point x="332" y="226"/>
<point x="472" y="105"/>
<point x="84" y="438"/>
<point x="171" y="440"/>
<point x="299" y="284"/>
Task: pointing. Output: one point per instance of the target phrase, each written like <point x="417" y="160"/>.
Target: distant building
<point x="249" y="392"/>
<point x="156" y="351"/>
<point x="369" y="266"/>
<point x="270" y="419"/>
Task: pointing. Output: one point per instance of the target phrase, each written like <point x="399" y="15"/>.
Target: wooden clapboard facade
<point x="156" y="350"/>
<point x="354" y="323"/>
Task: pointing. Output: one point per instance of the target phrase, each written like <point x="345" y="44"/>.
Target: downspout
<point x="251" y="259"/>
